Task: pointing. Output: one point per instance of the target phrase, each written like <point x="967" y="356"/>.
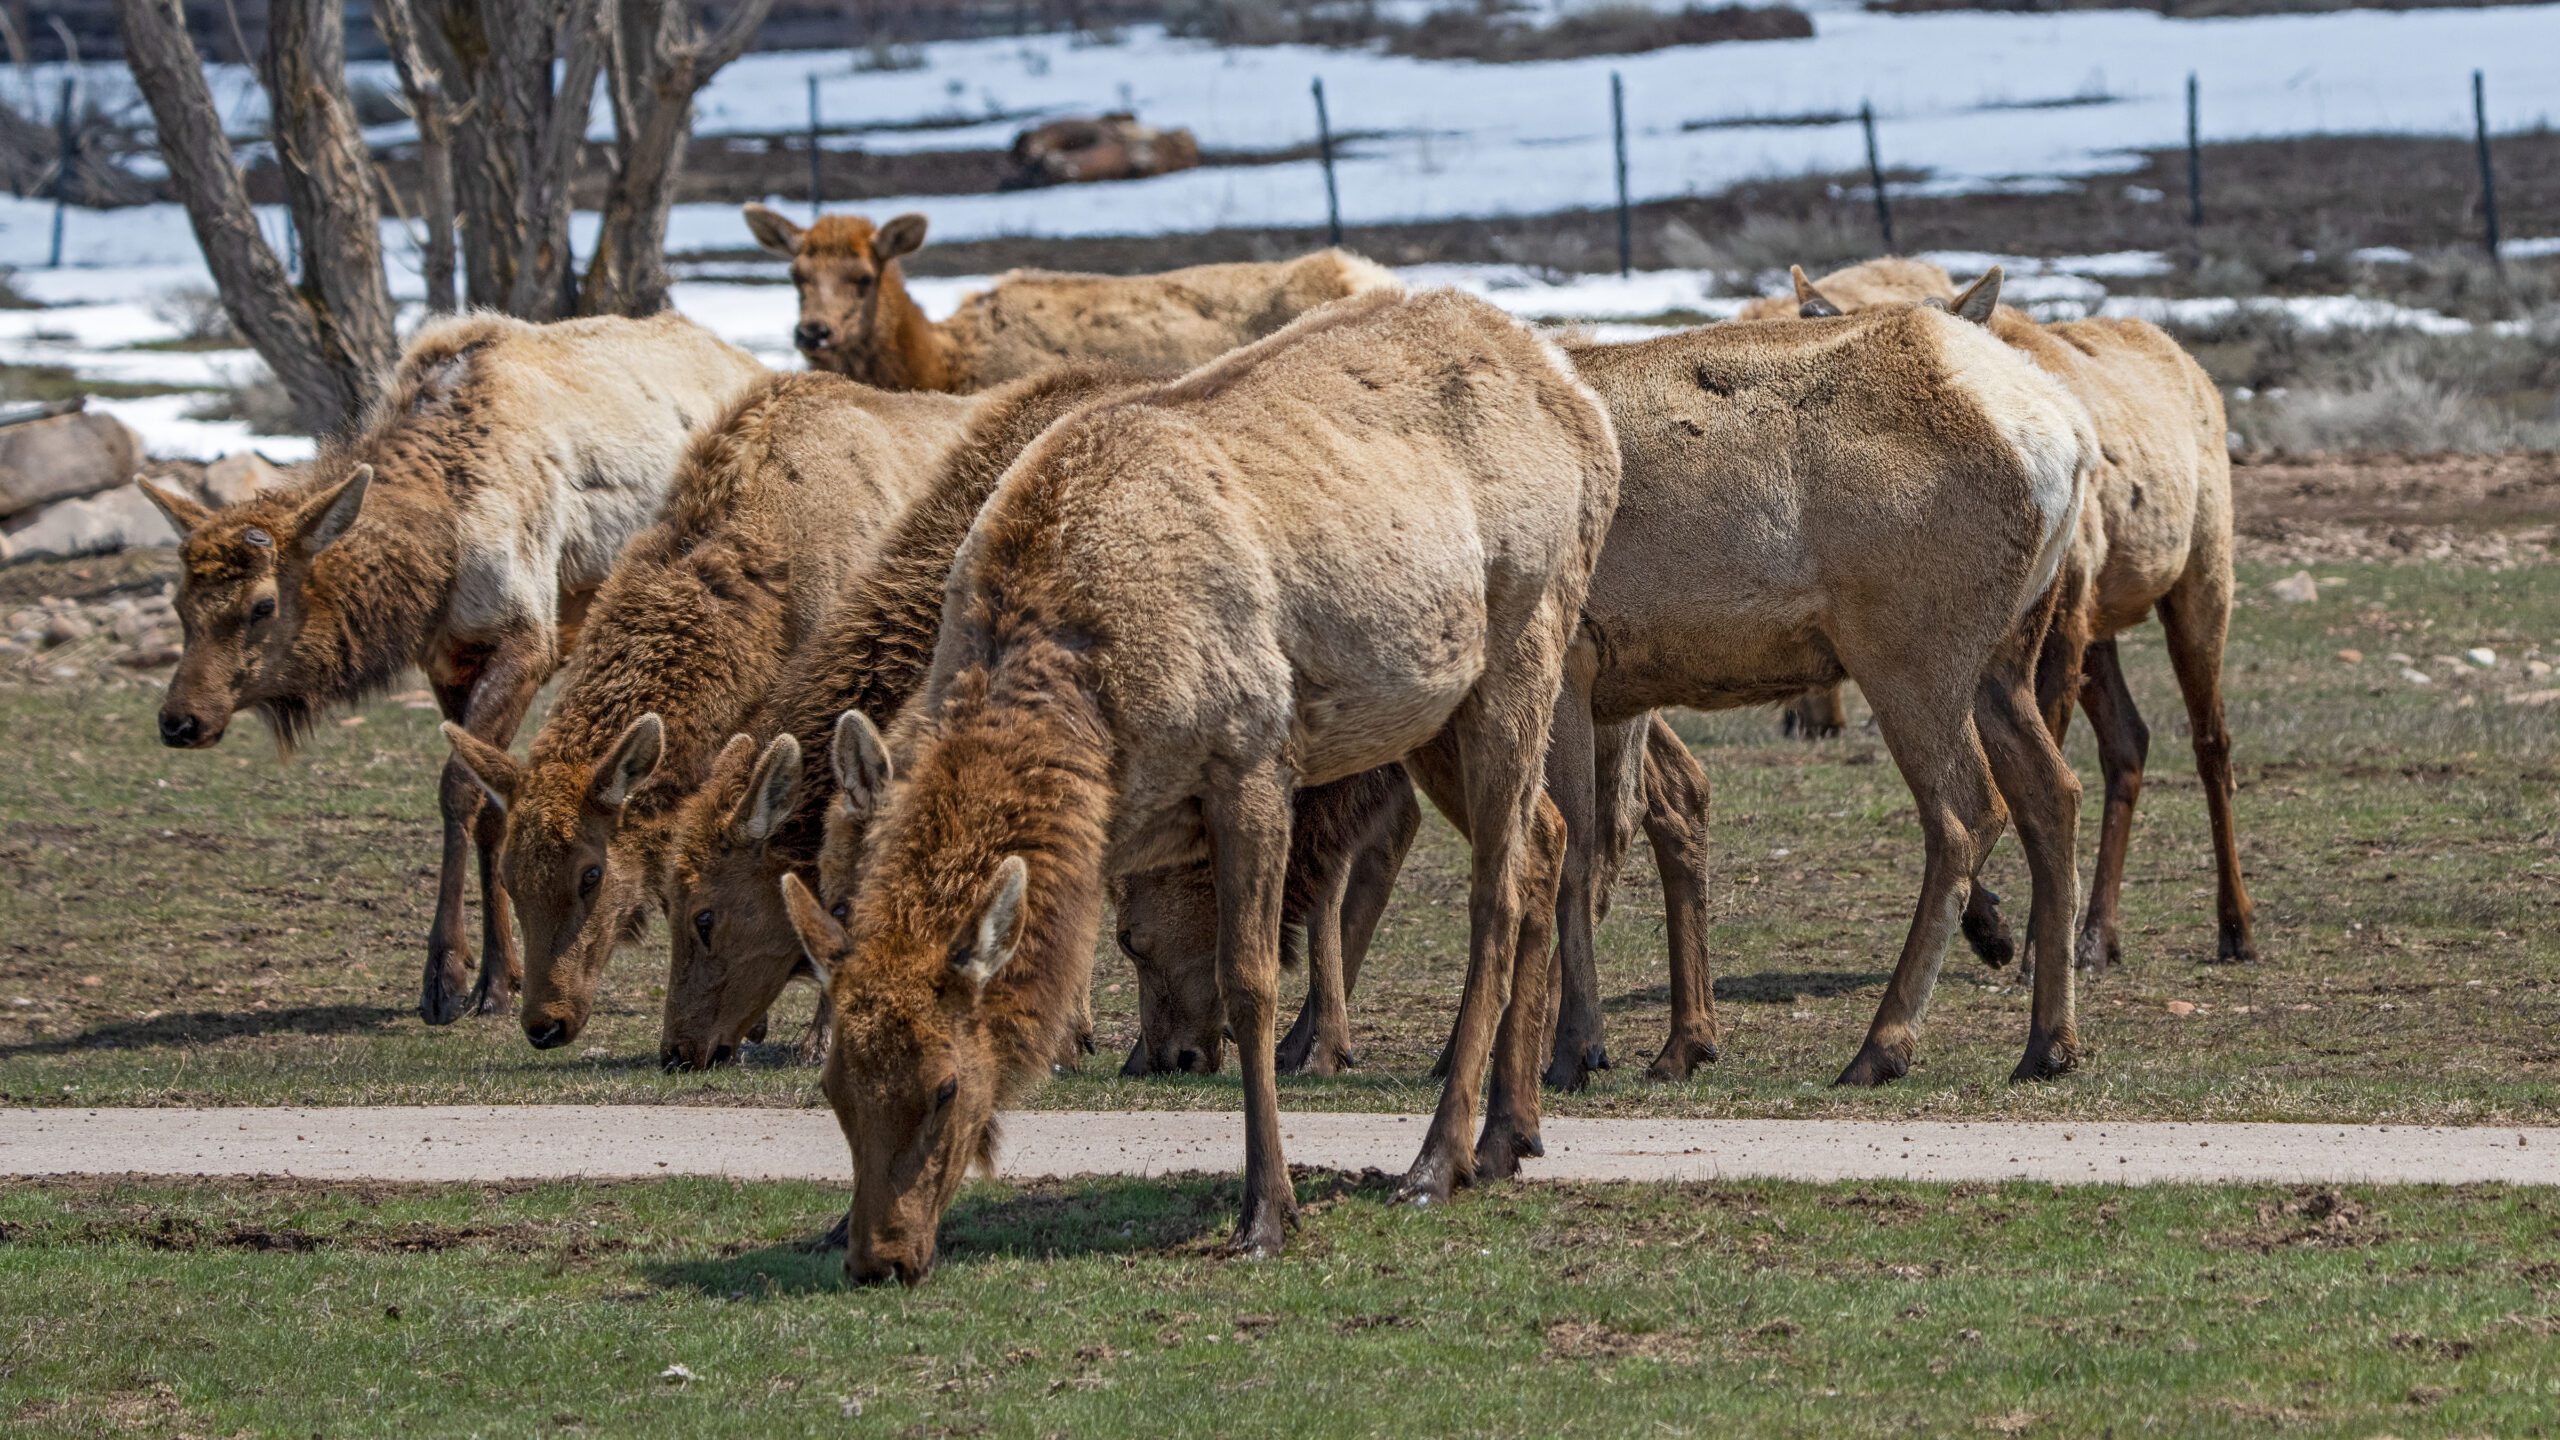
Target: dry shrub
<point x="1492" y="33"/>
<point x="258" y="400"/>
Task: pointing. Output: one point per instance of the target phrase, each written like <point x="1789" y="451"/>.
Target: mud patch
<point x="1583" y="1340"/>
<point x="2311" y="1218"/>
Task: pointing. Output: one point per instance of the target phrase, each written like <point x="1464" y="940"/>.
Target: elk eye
<point x="1126" y="948"/>
<point x="262" y="608"/>
<point x="256" y="536"/>
<point x="949" y="1088"/>
<point x="841" y="909"/>
<point x="702" y="925"/>
<point x="587" y="879"/>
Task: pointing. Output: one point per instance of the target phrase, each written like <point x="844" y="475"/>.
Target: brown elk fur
<point x="773" y="508"/>
<point x="1360" y="539"/>
<point x="1778" y="478"/>
<point x="870" y="655"/>
<point x="508" y="464"/>
<point x="1885" y="280"/>
<point x="2157" y="539"/>
<point x="857" y="319"/>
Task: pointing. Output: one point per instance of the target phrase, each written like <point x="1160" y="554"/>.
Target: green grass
<point x="1111" y="1309"/>
<point x="222" y="928"/>
<point x="61" y="382"/>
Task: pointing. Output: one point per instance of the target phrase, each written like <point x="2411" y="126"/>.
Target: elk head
<point x="1169" y="931"/>
<point x="578" y="896"/>
<point x="242" y="604"/>
<point x="843" y="267"/>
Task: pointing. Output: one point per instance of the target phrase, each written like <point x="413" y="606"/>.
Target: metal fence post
<point x="2488" y="177"/>
<point x="1324" y="145"/>
<point x="1618" y="126"/>
<point x="1875" y="173"/>
<point x="67" y="138"/>
<point x="2195" y="157"/>
<point x="817" y="178"/>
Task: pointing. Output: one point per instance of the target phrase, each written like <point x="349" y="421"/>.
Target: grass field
<point x="1111" y="1309"/>
<point x="221" y="928"/>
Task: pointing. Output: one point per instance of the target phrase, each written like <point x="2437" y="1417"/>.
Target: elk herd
<point x="1160" y="597"/>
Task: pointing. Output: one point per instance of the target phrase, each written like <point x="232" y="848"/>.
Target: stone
<point x="2297" y="588"/>
<point x="117" y="520"/>
<point x="2481" y="655"/>
<point x="63" y="457"/>
<point x="66" y="627"/>
<point x="235" y="478"/>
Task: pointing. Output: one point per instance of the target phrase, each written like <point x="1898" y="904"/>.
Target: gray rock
<point x="63" y="457"/>
<point x="116" y="520"/>
<point x="235" y="478"/>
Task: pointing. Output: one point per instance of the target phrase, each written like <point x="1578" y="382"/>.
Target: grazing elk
<point x="1362" y="539"/>
<point x="772" y="508"/>
<point x="2156" y="540"/>
<point x="857" y="319"/>
<point x="762" y="816"/>
<point x="1776" y="479"/>
<point x="463" y="530"/>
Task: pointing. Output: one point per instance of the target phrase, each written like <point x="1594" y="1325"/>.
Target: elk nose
<point x="550" y="1036"/>
<point x="179" y="731"/>
<point x="813" y="334"/>
<point x="1188" y="1061"/>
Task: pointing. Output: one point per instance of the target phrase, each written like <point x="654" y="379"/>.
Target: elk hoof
<point x="2047" y="1058"/>
<point x="1263" y="1231"/>
<point x="2097" y="953"/>
<point x="1680" y="1058"/>
<point x="2236" y="948"/>
<point x="1430" y="1182"/>
<point x="1989" y="936"/>
<point x="1501" y="1149"/>
<point x="441" y="999"/>
<point x="1875" y="1065"/>
<point x="835" y="1239"/>
<point x="1570" y="1071"/>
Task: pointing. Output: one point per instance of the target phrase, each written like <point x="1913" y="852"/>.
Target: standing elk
<point x="1777" y="479"/>
<point x="773" y="507"/>
<point x="2156" y="540"/>
<point x="463" y="530"/>
<point x="1363" y="539"/>
<point x="857" y="319"/>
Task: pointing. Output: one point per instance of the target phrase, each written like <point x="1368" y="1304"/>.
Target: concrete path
<point x="542" y="1142"/>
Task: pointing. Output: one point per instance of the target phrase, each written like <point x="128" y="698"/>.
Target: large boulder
<point x="63" y="457"/>
<point x="117" y="520"/>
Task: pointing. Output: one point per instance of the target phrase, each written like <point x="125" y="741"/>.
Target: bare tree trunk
<point x="658" y="65"/>
<point x="545" y="283"/>
<point x="328" y="185"/>
<point x="422" y="80"/>
<point x="256" y="291"/>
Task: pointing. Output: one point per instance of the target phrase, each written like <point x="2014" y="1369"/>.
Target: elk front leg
<point x="1248" y="823"/>
<point x="515" y="670"/>
<point x="1675" y="821"/>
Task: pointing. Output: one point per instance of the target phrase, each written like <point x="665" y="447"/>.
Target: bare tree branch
<point x="423" y="82"/>
<point x="256" y="291"/>
<point x="328" y="182"/>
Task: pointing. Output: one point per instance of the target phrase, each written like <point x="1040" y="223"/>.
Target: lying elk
<point x="2156" y="540"/>
<point x="773" y="507"/>
<point x="463" y="530"/>
<point x="1361" y="540"/>
<point x="857" y="319"/>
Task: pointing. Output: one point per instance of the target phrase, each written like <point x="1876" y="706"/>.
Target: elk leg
<point x="2043" y="796"/>
<point x="516" y="669"/>
<point x="1248" y="822"/>
<point x="1319" y="1043"/>
<point x="1935" y="744"/>
<point x="1817" y="714"/>
<point x="458" y="804"/>
<point x="1477" y="771"/>
<point x="2124" y="743"/>
<point x="1675" y="822"/>
<point x="1573" y="782"/>
<point x="2196" y="614"/>
<point x="1511" y="1119"/>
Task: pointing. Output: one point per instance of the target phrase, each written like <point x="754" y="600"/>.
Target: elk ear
<point x="185" y="515"/>
<point x="901" y="236"/>
<point x="773" y="230"/>
<point x="1979" y="298"/>
<point x="822" y="936"/>
<point x="770" y="791"/>
<point x="633" y="759"/>
<point x="498" y="772"/>
<point x="861" y="762"/>
<point x="327" y="515"/>
<point x="985" y="949"/>
<point x="1811" y="304"/>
